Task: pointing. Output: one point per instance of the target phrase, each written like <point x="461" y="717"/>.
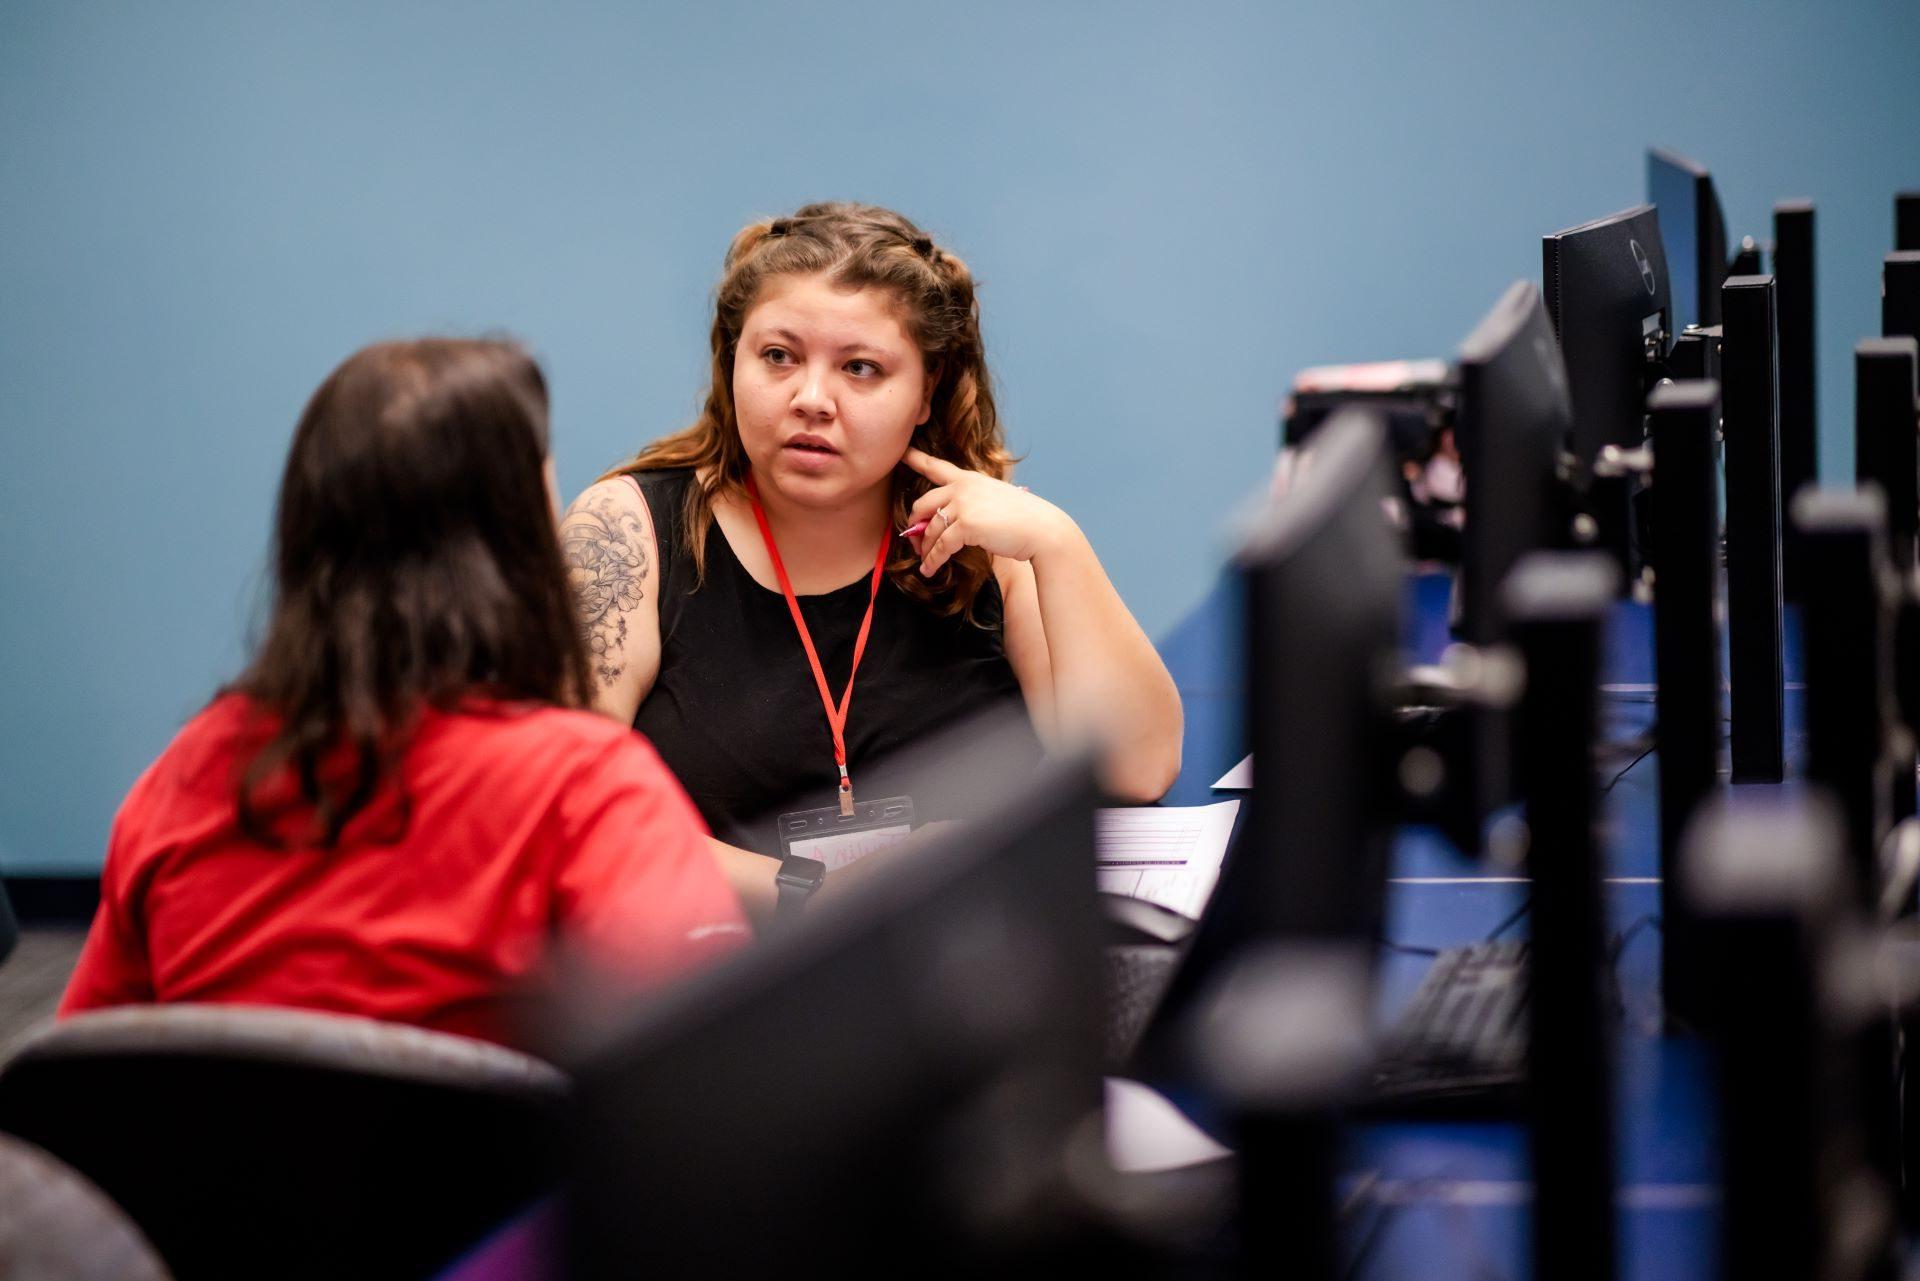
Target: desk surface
<point x="1451" y="1200"/>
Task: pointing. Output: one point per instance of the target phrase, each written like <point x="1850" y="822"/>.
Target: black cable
<point x="1362" y="1185"/>
<point x="1624" y="937"/>
<point x="1650" y="740"/>
<point x="1507" y="922"/>
<point x="1384" y="1213"/>
<point x="1626" y="768"/>
<point x="1511" y="919"/>
<point x="1643" y="742"/>
<point x="1411" y="1189"/>
<point x="1376" y="1228"/>
<point x="1617" y="948"/>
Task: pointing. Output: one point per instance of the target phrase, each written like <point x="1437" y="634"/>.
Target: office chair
<point x="9" y="925"/>
<point x="56" y="1226"/>
<point x="247" y="1141"/>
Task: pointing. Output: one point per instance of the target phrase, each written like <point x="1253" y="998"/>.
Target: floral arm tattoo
<point x="606" y="553"/>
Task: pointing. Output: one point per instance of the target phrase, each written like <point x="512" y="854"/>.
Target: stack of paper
<point x="1166" y="855"/>
<point x="1146" y="1133"/>
<point x="1237" y="779"/>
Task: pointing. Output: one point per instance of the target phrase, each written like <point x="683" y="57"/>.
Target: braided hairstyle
<point x="855" y="247"/>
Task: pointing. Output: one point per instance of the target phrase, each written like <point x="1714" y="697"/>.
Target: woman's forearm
<point x="751" y="876"/>
<point x="1107" y="677"/>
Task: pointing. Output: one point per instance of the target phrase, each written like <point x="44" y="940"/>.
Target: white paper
<point x="1169" y="855"/>
<point x="1147" y="1133"/>
<point x="1237" y="779"/>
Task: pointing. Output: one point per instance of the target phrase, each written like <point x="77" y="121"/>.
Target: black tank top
<point x="735" y="712"/>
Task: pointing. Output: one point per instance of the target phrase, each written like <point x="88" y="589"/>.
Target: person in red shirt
<point x="401" y="805"/>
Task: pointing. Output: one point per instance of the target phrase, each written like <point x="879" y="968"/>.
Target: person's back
<point x="393" y="811"/>
<point x="505" y="826"/>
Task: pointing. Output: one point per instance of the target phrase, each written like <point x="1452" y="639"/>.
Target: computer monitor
<point x="1693" y="232"/>
<point x="1514" y="422"/>
<point x="902" y="1077"/>
<point x="1607" y="294"/>
<point x="1322" y="577"/>
<point x="1409" y="394"/>
<point x="1906" y="220"/>
<point x="1512" y="428"/>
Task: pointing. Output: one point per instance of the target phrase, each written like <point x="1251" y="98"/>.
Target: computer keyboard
<point x="1137" y="976"/>
<point x="1461" y="1046"/>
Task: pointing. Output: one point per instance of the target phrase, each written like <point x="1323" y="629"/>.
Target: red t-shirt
<point x="439" y="903"/>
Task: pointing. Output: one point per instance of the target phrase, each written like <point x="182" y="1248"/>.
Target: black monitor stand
<point x="1900" y="295"/>
<point x="1848" y="638"/>
<point x="1856" y="749"/>
<point x="1906" y="220"/>
<point x="1886" y="446"/>
<point x="1280" y="1038"/>
<point x="1801" y="1198"/>
<point x="1793" y="276"/>
<point x="1558" y="604"/>
<point x="1750" y="414"/>
<point x="1684" y="421"/>
<point x="1695" y="355"/>
<point x="1886" y="420"/>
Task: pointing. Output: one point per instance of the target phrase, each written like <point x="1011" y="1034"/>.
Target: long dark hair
<point x="415" y="562"/>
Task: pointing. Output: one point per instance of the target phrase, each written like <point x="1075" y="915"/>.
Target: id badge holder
<point x="838" y="839"/>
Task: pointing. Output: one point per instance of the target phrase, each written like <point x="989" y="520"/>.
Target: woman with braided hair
<point x="842" y="512"/>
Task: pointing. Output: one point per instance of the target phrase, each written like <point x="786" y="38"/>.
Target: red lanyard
<point x="836" y="719"/>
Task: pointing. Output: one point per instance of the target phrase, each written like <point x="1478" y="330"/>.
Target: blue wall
<point x="204" y="206"/>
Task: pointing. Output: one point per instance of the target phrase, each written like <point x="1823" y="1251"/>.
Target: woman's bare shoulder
<point x="612" y="497"/>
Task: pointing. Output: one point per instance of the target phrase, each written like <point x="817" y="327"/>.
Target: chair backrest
<point x="56" y="1226"/>
<point x="253" y="1141"/>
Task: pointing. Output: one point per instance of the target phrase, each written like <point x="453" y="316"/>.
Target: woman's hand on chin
<point x="971" y="509"/>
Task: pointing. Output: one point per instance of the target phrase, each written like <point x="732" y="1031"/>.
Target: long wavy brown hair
<point x="854" y="247"/>
<point x="415" y="563"/>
